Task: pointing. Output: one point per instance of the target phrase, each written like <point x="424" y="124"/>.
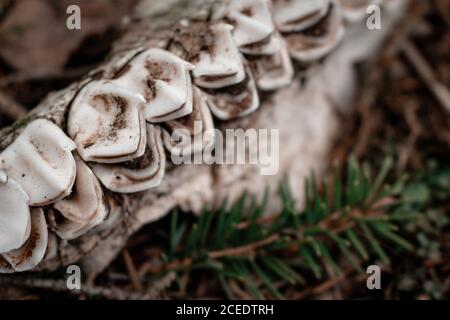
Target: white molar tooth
<point x="274" y="71"/>
<point x="31" y="253"/>
<point x="183" y="111"/>
<point x="139" y="174"/>
<point x="234" y="101"/>
<point x="41" y="161"/>
<point x="249" y="30"/>
<point x="222" y="65"/>
<point x="167" y="96"/>
<point x="85" y="208"/>
<point x="107" y="124"/>
<point x="269" y="47"/>
<point x="162" y="79"/>
<point x="188" y="140"/>
<point x="14" y="216"/>
<point x="254" y="28"/>
<point x="297" y="15"/>
<point x="68" y="229"/>
<point x="310" y="45"/>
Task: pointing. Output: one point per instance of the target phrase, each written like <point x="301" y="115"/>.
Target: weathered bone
<point x="303" y="114"/>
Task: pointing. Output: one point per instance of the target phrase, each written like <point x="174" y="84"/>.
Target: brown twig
<point x="246" y="249"/>
<point x="11" y="108"/>
<point x="131" y="268"/>
<point x="238" y="291"/>
<point x="420" y="64"/>
<point x="154" y="290"/>
<point x="262" y="220"/>
<point x="159" y="286"/>
<point x="110" y="292"/>
<point x="321" y="288"/>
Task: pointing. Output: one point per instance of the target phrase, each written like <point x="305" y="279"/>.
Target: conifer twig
<point x="420" y="64"/>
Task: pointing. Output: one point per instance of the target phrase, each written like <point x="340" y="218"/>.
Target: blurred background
<point x="403" y="110"/>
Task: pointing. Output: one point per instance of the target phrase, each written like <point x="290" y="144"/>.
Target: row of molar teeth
<point x="154" y="86"/>
<point x="220" y="70"/>
<point x="119" y="126"/>
<point x="255" y="34"/>
<point x="41" y="161"/>
<point x="37" y="169"/>
<point x="163" y="80"/>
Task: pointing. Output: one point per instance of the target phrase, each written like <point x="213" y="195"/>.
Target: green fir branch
<point x="355" y="220"/>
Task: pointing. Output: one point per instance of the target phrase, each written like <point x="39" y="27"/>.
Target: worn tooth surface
<point x="41" y="161"/>
<point x="190" y="134"/>
<point x="298" y="15"/>
<point x="85" y="208"/>
<point x="106" y="123"/>
<point x="163" y="80"/>
<point x="139" y="174"/>
<point x="274" y="71"/>
<point x="220" y="65"/>
<point x="252" y="22"/>
<point x="14" y="216"/>
<point x="31" y="253"/>
<point x="319" y="39"/>
<point x="234" y="101"/>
